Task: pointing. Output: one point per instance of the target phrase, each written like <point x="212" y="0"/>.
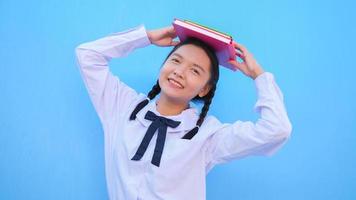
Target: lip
<point x="175" y="83"/>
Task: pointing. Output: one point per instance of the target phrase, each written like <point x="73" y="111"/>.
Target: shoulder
<point x="132" y="105"/>
<point x="211" y="125"/>
<point x="211" y="121"/>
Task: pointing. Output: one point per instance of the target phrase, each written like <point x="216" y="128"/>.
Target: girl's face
<point x="185" y="74"/>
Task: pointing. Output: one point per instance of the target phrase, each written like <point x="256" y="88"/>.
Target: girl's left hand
<point x="249" y="65"/>
<point x="163" y="37"/>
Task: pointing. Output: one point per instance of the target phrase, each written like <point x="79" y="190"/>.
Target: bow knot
<point x="160" y="123"/>
<point x="164" y="121"/>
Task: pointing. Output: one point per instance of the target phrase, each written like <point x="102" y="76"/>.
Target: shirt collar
<point x="187" y="117"/>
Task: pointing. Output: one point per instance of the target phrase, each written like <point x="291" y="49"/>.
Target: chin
<point x="172" y="92"/>
<point x="169" y="93"/>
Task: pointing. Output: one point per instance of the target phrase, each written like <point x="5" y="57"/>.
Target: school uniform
<point x="184" y="163"/>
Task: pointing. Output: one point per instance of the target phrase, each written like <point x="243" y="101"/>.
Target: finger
<point x="238" y="51"/>
<point x="171" y="31"/>
<point x="171" y="27"/>
<point x="240" y="55"/>
<point x="235" y="64"/>
<point x="240" y="47"/>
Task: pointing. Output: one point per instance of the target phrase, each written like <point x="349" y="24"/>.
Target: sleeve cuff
<point x="264" y="88"/>
<point x="267" y="89"/>
<point x="137" y="33"/>
<point x="263" y="81"/>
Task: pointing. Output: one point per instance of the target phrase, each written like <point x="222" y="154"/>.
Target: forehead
<point x="194" y="55"/>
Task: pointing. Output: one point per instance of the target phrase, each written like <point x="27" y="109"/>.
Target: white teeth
<point x="175" y="83"/>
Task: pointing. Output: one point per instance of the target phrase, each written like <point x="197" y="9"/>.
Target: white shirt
<point x="185" y="163"/>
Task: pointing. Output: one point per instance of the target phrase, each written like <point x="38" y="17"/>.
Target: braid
<point x="156" y="89"/>
<point x="207" y="101"/>
<point x="206" y="106"/>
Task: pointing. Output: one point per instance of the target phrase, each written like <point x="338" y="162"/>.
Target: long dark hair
<point x="207" y="99"/>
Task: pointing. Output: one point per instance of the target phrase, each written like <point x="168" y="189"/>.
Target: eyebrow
<point x="178" y="55"/>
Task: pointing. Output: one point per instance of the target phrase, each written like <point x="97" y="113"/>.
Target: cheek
<point x="166" y="69"/>
<point x="195" y="84"/>
<point x="163" y="73"/>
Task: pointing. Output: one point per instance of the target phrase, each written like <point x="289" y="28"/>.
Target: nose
<point x="179" y="71"/>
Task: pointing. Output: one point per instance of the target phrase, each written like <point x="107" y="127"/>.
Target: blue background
<point x="51" y="138"/>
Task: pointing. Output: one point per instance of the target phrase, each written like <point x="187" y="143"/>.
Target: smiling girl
<point x="159" y="146"/>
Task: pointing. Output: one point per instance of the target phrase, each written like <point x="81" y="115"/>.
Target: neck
<point x="168" y="107"/>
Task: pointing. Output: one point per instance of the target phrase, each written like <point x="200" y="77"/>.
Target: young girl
<point x="162" y="147"/>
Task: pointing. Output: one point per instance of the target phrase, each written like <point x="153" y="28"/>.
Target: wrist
<point x="149" y="35"/>
<point x="257" y="73"/>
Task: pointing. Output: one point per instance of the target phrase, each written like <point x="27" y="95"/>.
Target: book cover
<point x="219" y="41"/>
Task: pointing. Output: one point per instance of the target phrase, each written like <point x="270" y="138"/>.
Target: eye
<point x="195" y="71"/>
<point x="175" y="60"/>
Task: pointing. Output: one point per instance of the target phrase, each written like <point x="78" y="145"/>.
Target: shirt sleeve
<point x="244" y="138"/>
<point x="108" y="94"/>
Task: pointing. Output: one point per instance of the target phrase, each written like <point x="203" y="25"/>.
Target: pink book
<point x="220" y="42"/>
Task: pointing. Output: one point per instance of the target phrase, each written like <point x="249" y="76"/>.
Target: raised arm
<point x="264" y="137"/>
<point x="108" y="94"/>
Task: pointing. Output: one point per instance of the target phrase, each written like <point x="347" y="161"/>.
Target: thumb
<point x="171" y="31"/>
<point x="235" y="64"/>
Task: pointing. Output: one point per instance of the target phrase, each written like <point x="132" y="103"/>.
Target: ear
<point x="205" y="90"/>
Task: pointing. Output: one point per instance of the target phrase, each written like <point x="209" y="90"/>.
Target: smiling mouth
<point x="175" y="83"/>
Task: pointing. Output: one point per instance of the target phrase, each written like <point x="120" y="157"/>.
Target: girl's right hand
<point x="163" y="37"/>
<point x="249" y="66"/>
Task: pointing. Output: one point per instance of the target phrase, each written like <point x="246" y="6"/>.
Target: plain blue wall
<point x="51" y="142"/>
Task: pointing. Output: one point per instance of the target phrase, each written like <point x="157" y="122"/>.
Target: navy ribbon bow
<point x="160" y="123"/>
